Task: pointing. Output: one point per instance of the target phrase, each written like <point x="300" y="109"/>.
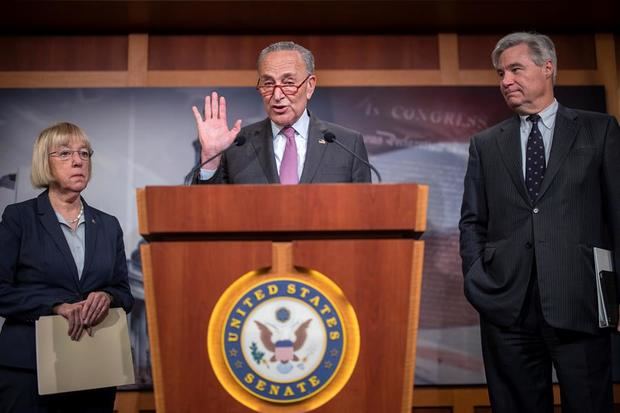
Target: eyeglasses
<point x="66" y="154"/>
<point x="287" y="89"/>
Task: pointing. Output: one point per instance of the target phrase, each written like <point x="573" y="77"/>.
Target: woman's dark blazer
<point x="37" y="271"/>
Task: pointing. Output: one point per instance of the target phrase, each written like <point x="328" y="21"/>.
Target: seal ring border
<point x="323" y="385"/>
<point x="351" y="342"/>
<point x="311" y="372"/>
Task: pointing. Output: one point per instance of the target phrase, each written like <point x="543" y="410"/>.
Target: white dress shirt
<point x="301" y="140"/>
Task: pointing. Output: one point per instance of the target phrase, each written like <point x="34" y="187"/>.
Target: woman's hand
<point x="95" y="308"/>
<point x="73" y="314"/>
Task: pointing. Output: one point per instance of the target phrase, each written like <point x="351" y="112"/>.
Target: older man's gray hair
<point x="541" y="48"/>
<point x="306" y="54"/>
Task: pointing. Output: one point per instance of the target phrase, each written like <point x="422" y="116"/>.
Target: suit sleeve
<point x="23" y="302"/>
<point x="474" y="211"/>
<point x="360" y="172"/>
<point x="611" y="189"/>
<point x="118" y="287"/>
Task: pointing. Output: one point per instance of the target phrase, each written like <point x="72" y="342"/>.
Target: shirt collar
<point x="547" y="115"/>
<point x="301" y="126"/>
<point x="63" y="221"/>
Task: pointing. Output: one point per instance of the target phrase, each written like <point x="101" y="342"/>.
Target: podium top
<point x="260" y="211"/>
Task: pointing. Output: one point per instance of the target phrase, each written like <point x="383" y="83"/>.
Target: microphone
<point x="239" y="141"/>
<point x="331" y="138"/>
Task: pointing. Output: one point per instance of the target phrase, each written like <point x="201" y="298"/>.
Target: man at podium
<point x="291" y="145"/>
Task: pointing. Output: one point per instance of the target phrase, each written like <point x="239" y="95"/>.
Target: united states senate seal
<point x="283" y="340"/>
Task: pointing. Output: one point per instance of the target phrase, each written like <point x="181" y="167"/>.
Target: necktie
<point x="288" y="167"/>
<point x="535" y="159"/>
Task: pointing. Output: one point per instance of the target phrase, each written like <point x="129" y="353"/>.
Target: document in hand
<point x="103" y="360"/>
<point x="605" y="288"/>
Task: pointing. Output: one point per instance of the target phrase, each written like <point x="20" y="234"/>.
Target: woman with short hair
<point x="58" y="256"/>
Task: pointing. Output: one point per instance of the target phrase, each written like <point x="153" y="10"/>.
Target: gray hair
<point x="541" y="48"/>
<point x="306" y="54"/>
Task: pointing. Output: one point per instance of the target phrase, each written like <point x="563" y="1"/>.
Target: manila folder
<point x="103" y="360"/>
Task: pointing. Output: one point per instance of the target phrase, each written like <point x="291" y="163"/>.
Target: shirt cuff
<point x="206" y="174"/>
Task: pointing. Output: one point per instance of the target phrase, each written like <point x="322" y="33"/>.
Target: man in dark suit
<point x="541" y="189"/>
<point x="287" y="147"/>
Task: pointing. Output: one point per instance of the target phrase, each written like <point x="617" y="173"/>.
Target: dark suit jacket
<point x="37" y="271"/>
<point x="254" y="162"/>
<point x="503" y="233"/>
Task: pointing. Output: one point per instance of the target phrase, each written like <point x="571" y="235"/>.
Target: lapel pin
<point x="322" y="141"/>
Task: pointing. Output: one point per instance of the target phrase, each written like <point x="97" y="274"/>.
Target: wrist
<point x="110" y="298"/>
<point x="56" y="308"/>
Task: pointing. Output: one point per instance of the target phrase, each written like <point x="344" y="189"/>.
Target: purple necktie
<point x="288" y="167"/>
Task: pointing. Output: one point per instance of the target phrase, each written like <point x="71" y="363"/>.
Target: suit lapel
<point x="314" y="151"/>
<point x="564" y="135"/>
<point x="262" y="141"/>
<point x="50" y="223"/>
<point x="91" y="231"/>
<point x="509" y="144"/>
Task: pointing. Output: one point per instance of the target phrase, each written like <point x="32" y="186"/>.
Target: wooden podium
<point x="201" y="239"/>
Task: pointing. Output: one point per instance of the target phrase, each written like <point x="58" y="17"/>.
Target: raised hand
<point x="213" y="130"/>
